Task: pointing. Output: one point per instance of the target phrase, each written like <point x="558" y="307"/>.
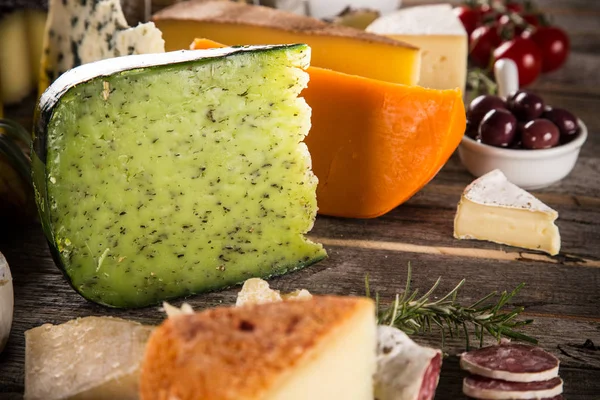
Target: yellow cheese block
<point x="15" y="71"/>
<point x="36" y="23"/>
<point x="339" y="48"/>
<point x="439" y="34"/>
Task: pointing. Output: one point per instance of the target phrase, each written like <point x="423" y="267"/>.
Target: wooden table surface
<point x="562" y="293"/>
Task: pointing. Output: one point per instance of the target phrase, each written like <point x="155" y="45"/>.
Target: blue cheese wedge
<point x="494" y="209"/>
<point x="79" y="32"/>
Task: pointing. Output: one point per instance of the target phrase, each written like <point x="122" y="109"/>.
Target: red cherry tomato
<point x="514" y="7"/>
<point x="507" y="26"/>
<point x="554" y="45"/>
<point x="532" y="19"/>
<point x="485" y="12"/>
<point x="504" y="21"/>
<point x="525" y="53"/>
<point x="469" y="17"/>
<point x="482" y="43"/>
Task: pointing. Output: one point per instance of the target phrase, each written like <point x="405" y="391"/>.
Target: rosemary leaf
<point x="413" y="314"/>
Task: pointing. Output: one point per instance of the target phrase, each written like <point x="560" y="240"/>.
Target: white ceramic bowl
<point x="529" y="169"/>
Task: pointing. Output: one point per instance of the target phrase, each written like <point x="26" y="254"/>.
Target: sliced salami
<point x="481" y="387"/>
<point x="511" y="362"/>
<point x="559" y="397"/>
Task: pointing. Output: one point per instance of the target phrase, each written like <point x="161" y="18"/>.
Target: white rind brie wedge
<point x="494" y="209"/>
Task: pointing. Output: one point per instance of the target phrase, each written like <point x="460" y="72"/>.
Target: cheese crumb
<point x="173" y="311"/>
<point x="257" y="291"/>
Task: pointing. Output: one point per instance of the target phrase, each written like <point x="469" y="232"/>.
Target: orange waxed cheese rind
<point x="375" y="144"/>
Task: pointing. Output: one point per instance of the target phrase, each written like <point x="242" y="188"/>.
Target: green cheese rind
<point x="177" y="173"/>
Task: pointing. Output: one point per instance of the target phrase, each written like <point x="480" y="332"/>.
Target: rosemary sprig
<point x="418" y="314"/>
<point x="479" y="82"/>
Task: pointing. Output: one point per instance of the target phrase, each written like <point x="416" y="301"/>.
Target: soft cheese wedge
<point x="339" y="48"/>
<point x="92" y="358"/>
<point x="162" y="175"/>
<point x="492" y="208"/>
<point x="439" y="34"/>
<point x="317" y="349"/>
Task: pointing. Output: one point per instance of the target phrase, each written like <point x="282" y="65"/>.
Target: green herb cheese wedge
<point x="159" y="176"/>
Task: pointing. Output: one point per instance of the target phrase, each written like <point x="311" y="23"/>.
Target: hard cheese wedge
<point x="439" y="34"/>
<point x="83" y="31"/>
<point x="318" y="349"/>
<point x="15" y="71"/>
<point x="339" y="48"/>
<point x="36" y="26"/>
<point x="92" y="358"/>
<point x="375" y="144"/>
<point x="176" y="173"/>
<point x="492" y="208"/>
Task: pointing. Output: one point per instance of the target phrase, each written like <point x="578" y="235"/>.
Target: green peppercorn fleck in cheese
<point x="165" y="175"/>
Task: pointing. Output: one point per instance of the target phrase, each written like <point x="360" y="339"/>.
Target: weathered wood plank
<point x="39" y="287"/>
<point x="344" y="271"/>
<point x="578" y="384"/>
<point x="583" y="181"/>
<point x="579" y="75"/>
<point x="562" y="298"/>
<point x="428" y="219"/>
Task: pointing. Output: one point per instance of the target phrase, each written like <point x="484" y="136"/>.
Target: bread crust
<point x="239" y="353"/>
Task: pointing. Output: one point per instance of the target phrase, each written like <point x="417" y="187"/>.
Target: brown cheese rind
<point x="239" y="352"/>
<point x="227" y="12"/>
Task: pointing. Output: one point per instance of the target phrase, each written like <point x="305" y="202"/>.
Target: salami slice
<point x="559" y="397"/>
<point x="481" y="387"/>
<point x="511" y="362"/>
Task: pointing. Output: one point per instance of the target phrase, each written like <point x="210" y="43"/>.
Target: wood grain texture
<point x="562" y="294"/>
